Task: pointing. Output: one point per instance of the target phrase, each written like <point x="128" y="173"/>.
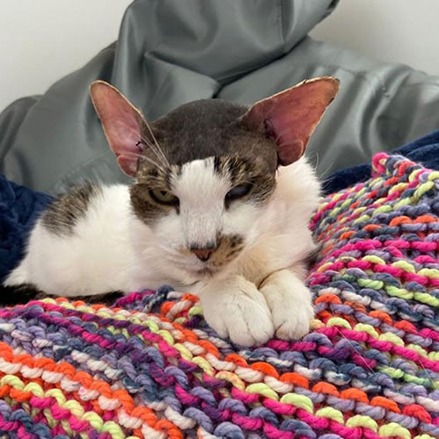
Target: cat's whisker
<point x="135" y="157"/>
<point x="317" y="162"/>
<point x="325" y="173"/>
<point x="357" y="351"/>
<point x="429" y="375"/>
<point x="153" y="149"/>
<point x="154" y="163"/>
<point x="131" y="132"/>
<point x="156" y="143"/>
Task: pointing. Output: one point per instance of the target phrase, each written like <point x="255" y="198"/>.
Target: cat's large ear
<point x="290" y="117"/>
<point x="122" y="124"/>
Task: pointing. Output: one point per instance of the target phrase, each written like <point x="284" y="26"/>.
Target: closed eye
<point x="238" y="192"/>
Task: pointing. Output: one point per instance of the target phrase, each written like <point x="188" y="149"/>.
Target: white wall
<point x="404" y="31"/>
<point x="43" y="40"/>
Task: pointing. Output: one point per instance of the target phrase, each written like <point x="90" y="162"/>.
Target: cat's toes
<point x="242" y="315"/>
<point x="254" y="325"/>
<point x="244" y="335"/>
<point x="295" y="324"/>
<point x="291" y="313"/>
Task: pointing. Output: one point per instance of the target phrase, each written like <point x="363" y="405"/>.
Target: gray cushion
<point x="170" y="52"/>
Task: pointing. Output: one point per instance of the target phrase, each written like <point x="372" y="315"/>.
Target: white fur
<point x="259" y="293"/>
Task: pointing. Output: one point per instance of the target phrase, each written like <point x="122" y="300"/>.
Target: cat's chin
<point x="204" y="272"/>
<point x="190" y="273"/>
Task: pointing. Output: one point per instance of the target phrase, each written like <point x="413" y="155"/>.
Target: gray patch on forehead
<point x="63" y="214"/>
<point x="210" y="128"/>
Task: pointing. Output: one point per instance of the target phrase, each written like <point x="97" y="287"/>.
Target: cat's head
<point x="204" y="172"/>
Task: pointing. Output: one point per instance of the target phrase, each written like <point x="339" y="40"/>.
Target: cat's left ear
<point x="122" y="124"/>
<point x="290" y="117"/>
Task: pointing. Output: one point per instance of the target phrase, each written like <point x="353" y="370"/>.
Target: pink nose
<point x="203" y="254"/>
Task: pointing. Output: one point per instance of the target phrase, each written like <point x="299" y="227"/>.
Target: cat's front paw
<point x="291" y="308"/>
<point x="295" y="324"/>
<point x="240" y="312"/>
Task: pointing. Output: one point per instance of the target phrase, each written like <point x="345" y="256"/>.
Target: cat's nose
<point x="203" y="253"/>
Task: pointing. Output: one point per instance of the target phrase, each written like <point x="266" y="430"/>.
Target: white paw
<point x="239" y="311"/>
<point x="291" y="309"/>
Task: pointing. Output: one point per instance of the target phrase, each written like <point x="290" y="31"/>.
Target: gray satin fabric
<point x="170" y="52"/>
<point x="379" y="107"/>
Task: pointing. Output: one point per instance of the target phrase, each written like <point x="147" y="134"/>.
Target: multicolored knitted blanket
<point x="150" y="367"/>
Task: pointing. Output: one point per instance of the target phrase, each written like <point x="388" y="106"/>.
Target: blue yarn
<point x="424" y="150"/>
<point x="19" y="208"/>
<point x="227" y="430"/>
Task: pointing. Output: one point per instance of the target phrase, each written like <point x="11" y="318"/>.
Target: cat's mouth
<point x="213" y="266"/>
<point x="198" y="269"/>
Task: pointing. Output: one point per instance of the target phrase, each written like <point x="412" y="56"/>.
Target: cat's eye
<point x="238" y="192"/>
<point x="162" y="196"/>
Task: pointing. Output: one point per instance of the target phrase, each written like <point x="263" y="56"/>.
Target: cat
<point x="219" y="206"/>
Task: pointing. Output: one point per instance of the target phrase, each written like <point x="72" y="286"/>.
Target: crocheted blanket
<point x="150" y="367"/>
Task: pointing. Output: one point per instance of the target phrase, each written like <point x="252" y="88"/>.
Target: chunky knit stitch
<point x="150" y="366"/>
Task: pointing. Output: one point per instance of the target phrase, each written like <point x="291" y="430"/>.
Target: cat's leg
<point x="289" y="301"/>
<point x="236" y="309"/>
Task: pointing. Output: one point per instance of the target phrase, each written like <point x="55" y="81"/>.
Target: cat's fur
<point x="210" y="212"/>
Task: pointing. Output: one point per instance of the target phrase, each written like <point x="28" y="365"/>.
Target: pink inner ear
<point x="291" y="116"/>
<point x="121" y="122"/>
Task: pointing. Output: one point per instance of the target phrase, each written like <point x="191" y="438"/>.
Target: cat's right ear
<point x="290" y="117"/>
<point x="122" y="124"/>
